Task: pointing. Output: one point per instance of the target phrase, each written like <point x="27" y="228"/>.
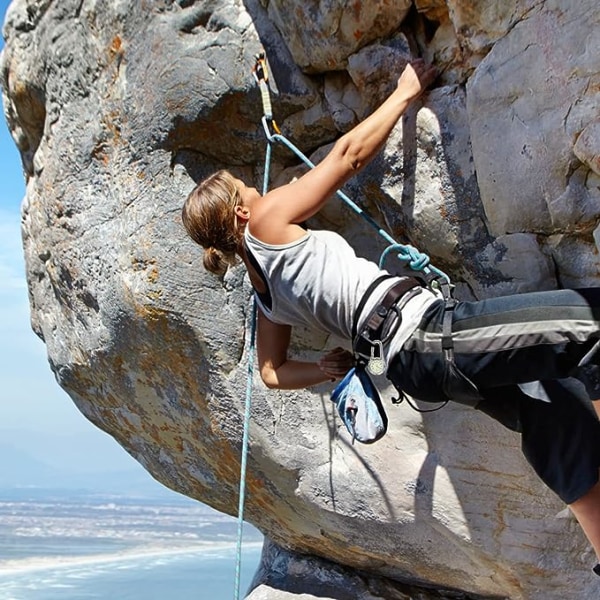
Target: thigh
<point x="555" y="305"/>
<point x="523" y="320"/>
<point x="491" y="347"/>
<point x="525" y="337"/>
<point x="560" y="439"/>
<point x="503" y="341"/>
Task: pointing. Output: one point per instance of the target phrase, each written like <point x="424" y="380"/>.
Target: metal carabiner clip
<point x="377" y="363"/>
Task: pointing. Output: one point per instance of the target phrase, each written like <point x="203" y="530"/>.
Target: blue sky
<point x="36" y="415"/>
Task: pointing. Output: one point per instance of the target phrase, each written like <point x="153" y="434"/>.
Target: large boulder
<point x="118" y="107"/>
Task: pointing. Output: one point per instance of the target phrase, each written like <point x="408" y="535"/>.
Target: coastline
<point x="30" y="565"/>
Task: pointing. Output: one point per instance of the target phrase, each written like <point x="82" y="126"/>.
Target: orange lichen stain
<point x="118" y="364"/>
<point x="141" y="264"/>
<point x="110" y="421"/>
<point x="164" y="435"/>
<point x="109" y="400"/>
<point x="116" y="45"/>
<point x="358" y="34"/>
<point x="115" y="52"/>
<point x="111" y="124"/>
<point x="100" y="152"/>
<point x="153" y="275"/>
<point x="153" y="433"/>
<point x="149" y="314"/>
<point x="154" y="295"/>
<point x="226" y="461"/>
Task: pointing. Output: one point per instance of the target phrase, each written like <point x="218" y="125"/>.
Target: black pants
<point x="505" y="341"/>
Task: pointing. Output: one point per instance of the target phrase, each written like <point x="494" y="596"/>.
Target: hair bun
<point x="214" y="261"/>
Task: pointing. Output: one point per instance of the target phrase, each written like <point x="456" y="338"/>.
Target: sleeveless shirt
<point x="318" y="281"/>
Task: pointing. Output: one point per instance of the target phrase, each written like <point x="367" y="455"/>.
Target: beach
<point x="75" y="548"/>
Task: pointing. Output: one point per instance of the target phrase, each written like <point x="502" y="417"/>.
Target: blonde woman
<point x="513" y="353"/>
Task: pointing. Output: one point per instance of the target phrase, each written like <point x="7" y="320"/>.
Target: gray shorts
<point x="501" y="342"/>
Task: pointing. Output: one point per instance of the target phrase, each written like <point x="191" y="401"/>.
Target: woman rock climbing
<point x="527" y="360"/>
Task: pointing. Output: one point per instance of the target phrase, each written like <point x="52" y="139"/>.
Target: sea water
<point x="206" y="575"/>
<point x="120" y="549"/>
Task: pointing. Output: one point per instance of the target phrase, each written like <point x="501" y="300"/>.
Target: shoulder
<point x="269" y="225"/>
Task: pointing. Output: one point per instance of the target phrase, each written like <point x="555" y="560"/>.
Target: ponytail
<point x="216" y="261"/>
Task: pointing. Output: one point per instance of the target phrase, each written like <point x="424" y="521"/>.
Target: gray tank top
<point x="315" y="281"/>
<point x="318" y="281"/>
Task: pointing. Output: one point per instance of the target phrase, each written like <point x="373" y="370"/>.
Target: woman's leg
<point x="561" y="441"/>
<point x="529" y="337"/>
<point x="506" y="340"/>
<point x="587" y="511"/>
<point x="596" y="404"/>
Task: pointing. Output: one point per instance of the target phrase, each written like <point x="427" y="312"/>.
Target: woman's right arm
<point x="292" y="204"/>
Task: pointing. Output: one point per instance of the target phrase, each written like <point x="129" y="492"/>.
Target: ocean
<point x="80" y="546"/>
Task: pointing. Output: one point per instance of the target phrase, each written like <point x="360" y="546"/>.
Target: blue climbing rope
<point x="247" y="409"/>
<point x="245" y="443"/>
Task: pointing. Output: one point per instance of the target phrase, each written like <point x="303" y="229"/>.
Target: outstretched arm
<point x="277" y="371"/>
<point x="283" y="208"/>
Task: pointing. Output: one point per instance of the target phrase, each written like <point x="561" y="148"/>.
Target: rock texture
<point x="118" y="106"/>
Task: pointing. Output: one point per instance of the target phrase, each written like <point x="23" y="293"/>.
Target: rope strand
<point x="248" y="403"/>
<point x="245" y="444"/>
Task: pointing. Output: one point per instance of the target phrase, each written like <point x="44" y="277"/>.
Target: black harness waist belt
<point x="384" y="319"/>
<point x="383" y="322"/>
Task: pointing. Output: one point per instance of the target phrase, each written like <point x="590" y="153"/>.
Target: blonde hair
<point x="209" y="219"/>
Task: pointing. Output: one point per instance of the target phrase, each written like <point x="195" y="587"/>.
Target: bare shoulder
<point x="270" y="223"/>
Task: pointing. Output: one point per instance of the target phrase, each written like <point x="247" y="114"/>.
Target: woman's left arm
<point x="279" y="372"/>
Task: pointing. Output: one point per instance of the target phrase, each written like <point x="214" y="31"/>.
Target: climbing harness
<point x="382" y="323"/>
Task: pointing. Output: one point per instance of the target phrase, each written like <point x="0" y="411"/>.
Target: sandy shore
<point x="27" y="565"/>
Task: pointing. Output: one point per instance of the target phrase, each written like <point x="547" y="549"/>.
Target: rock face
<point x="118" y="106"/>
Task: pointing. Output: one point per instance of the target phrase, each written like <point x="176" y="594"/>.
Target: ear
<point x="242" y="212"/>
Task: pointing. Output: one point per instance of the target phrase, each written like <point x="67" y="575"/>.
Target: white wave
<point x="14" y="567"/>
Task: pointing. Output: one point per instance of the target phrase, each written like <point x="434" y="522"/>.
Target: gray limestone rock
<point x="119" y="106"/>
